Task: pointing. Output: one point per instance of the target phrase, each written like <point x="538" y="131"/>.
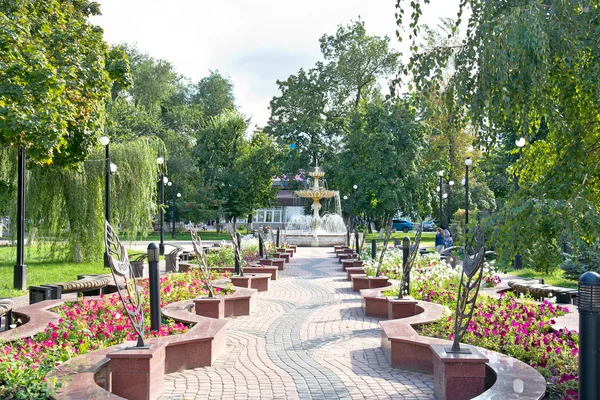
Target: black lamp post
<point x="468" y="162"/>
<point x="20" y="270"/>
<point x="161" y="214"/>
<point x="109" y="170"/>
<point x="440" y="190"/>
<point x="450" y="184"/>
<point x="518" y="262"/>
<point x="173" y="206"/>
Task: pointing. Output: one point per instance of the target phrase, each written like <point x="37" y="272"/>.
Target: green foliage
<point x="69" y="203"/>
<point x="381" y="154"/>
<point x="527" y="69"/>
<point x="313" y="103"/>
<point x="214" y="94"/>
<point x="586" y="257"/>
<point x="235" y="171"/>
<point x="53" y="78"/>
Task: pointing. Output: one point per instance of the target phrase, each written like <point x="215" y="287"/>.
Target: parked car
<point x="429" y="226"/>
<point x="402" y="225"/>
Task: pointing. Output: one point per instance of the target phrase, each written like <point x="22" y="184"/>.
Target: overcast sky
<point x="255" y="42"/>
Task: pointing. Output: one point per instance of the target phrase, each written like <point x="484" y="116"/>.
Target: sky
<point x="254" y="42"/>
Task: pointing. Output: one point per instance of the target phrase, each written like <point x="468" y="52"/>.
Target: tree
<point x="235" y="171"/>
<point x="382" y="155"/>
<point x="53" y="79"/>
<point x="355" y="61"/>
<point x="67" y="204"/>
<point x="313" y="103"/>
<point x="214" y="94"/>
<point x="522" y="65"/>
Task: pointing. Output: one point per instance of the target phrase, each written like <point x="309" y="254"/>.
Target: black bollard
<point x="153" y="258"/>
<point x="518" y="263"/>
<point x="348" y="237"/>
<point x="357" y="242"/>
<point x="373" y="248"/>
<point x="589" y="335"/>
<point x="277" y="242"/>
<point x="405" y="253"/>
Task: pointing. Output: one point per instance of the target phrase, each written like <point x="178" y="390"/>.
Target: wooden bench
<point x="6" y="306"/>
<point x="87" y="285"/>
<point x="538" y="290"/>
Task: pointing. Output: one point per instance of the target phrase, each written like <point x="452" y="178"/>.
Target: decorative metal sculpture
<point x="261" y="246"/>
<point x="118" y="261"/>
<point x="236" y="238"/>
<point x="412" y="256"/>
<point x="470" y="281"/>
<point x="388" y="235"/>
<point x="202" y="262"/>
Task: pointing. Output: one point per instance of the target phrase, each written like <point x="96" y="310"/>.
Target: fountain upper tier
<point x="316" y="192"/>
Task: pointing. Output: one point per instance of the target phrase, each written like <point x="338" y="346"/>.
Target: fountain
<point x="316" y="231"/>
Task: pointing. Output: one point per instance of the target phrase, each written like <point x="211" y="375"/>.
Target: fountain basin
<point x="301" y="239"/>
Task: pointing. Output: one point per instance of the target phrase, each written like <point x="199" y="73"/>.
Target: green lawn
<point x="208" y="235"/>
<point x="554" y="279"/>
<point x="427" y="238"/>
<point x="40" y="271"/>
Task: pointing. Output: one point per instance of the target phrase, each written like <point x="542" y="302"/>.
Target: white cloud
<point x="254" y="42"/>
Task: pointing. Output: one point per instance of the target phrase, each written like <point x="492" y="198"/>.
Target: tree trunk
<point x="77" y="254"/>
<point x="234" y="225"/>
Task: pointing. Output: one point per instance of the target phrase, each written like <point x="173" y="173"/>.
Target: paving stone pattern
<point x="307" y="338"/>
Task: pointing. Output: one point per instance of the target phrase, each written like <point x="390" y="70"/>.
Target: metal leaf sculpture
<point x="202" y="262"/>
<point x="388" y="235"/>
<point x="236" y="239"/>
<point x="120" y="266"/>
<point x="412" y="257"/>
<point x="470" y="281"/>
<point x="261" y="246"/>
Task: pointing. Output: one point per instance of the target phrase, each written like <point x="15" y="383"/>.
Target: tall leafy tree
<point x="382" y="154"/>
<point x="522" y="64"/>
<point x="214" y="94"/>
<point x="53" y="78"/>
<point x="235" y="171"/>
<point x="313" y="104"/>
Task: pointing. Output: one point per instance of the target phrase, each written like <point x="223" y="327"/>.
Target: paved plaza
<point x="307" y="338"/>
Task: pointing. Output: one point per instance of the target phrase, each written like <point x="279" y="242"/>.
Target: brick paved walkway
<point x="307" y="338"/>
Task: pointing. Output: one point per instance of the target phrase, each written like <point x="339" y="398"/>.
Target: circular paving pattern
<point x="307" y="338"/>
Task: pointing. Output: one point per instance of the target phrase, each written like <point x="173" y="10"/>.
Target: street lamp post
<point x="174" y="195"/>
<point x="440" y="190"/>
<point x="518" y="261"/>
<point x="20" y="270"/>
<point x="468" y="162"/>
<point x="161" y="214"/>
<point x="110" y="168"/>
<point x="450" y="184"/>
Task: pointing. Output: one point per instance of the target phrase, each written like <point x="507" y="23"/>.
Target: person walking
<point x="439" y="240"/>
<point x="447" y="238"/>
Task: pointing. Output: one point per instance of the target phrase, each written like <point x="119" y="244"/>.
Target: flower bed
<point x="521" y="329"/>
<point x="86" y="325"/>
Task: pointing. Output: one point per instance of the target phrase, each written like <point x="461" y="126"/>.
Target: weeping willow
<point x="66" y="206"/>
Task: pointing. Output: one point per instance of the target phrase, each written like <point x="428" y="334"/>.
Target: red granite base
<point x="259" y="282"/>
<point x="283" y="255"/>
<point x="402" y="308"/>
<point x="279" y="263"/>
<point x="354" y="271"/>
<point x="211" y="307"/>
<point x="360" y="282"/>
<point x="263" y="270"/>
<point x="457" y="376"/>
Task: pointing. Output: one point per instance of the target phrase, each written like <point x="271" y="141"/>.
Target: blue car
<point x="402" y="225"/>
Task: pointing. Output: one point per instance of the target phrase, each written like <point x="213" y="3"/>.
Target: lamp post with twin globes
<point x="109" y="170"/>
<point x="161" y="213"/>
